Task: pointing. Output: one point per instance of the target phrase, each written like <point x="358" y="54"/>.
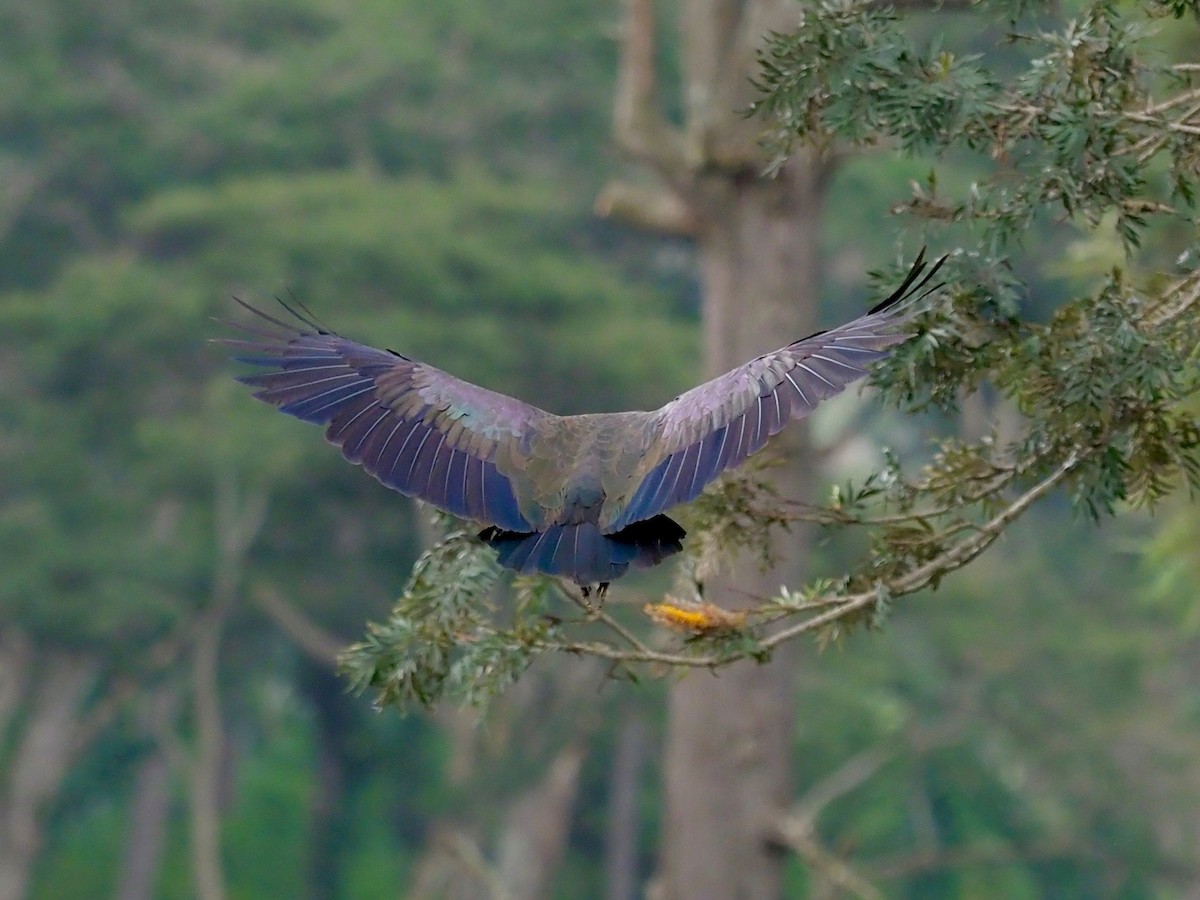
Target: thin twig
<point x="825" y="863"/>
<point x="1171" y="102"/>
<point x="856" y="770"/>
<point x="1187" y="291"/>
<point x="948" y="561"/>
<point x="318" y="644"/>
<point x="607" y="651"/>
<point x="597" y="614"/>
<point x="1179" y="125"/>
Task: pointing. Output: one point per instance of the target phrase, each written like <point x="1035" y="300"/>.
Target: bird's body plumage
<point x="578" y="496"/>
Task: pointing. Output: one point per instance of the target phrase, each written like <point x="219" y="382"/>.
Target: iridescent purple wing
<point x="417" y="429"/>
<point x="717" y="425"/>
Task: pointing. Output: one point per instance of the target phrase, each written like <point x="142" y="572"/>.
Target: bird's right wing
<point x="717" y="425"/>
<point x="417" y="429"/>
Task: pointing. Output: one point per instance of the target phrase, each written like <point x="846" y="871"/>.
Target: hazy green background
<point x="422" y="175"/>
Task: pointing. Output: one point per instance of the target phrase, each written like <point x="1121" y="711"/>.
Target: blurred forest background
<point x="178" y="564"/>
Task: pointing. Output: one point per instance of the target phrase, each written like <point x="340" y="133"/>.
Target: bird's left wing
<point x="417" y="429"/>
<point x="717" y="425"/>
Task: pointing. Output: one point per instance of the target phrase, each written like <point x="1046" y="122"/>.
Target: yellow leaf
<point x="699" y="618"/>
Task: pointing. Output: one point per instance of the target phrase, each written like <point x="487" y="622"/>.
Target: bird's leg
<point x="584" y="601"/>
<point x="585" y="591"/>
<point x="594" y="612"/>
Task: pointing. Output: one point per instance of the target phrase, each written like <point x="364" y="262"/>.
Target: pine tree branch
<point x="596" y="613"/>
<point x="1177" y="300"/>
<point x="943" y="564"/>
<point x="841" y="606"/>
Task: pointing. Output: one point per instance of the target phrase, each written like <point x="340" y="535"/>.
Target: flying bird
<point x="582" y="497"/>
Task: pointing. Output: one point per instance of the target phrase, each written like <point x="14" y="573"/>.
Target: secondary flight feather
<point x="582" y="497"/>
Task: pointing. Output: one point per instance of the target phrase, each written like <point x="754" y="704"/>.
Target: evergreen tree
<point x="1091" y="130"/>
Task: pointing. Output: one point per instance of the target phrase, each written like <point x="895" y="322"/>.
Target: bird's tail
<point x="584" y="553"/>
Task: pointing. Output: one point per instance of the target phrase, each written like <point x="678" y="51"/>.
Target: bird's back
<point x="578" y="464"/>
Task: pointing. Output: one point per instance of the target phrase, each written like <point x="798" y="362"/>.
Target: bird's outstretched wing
<point x="417" y="429"/>
<point x="717" y="425"/>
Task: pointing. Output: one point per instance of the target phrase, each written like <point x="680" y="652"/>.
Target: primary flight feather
<point x="582" y="496"/>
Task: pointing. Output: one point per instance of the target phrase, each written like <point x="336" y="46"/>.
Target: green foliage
<point x="441" y="639"/>
<point x="88" y="853"/>
<point x="1076" y="129"/>
<point x="89" y="528"/>
<point x="1180" y="8"/>
<point x="102" y="107"/>
<point x="994" y="709"/>
<point x="1078" y="133"/>
<point x="269" y="821"/>
<point x="158" y="157"/>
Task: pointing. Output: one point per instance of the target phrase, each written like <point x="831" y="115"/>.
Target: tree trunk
<point x="329" y="810"/>
<point x="728" y="747"/>
<point x="150" y="807"/>
<point x="536" y="827"/>
<point x="621" y="844"/>
<point x="149" y="813"/>
<point x="238" y="517"/>
<point x="729" y="738"/>
<point x="204" y="775"/>
<point x="16" y="664"/>
<point x="50" y="725"/>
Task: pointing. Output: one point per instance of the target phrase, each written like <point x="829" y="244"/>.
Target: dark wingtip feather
<point x="304" y="314"/>
<point x="908" y="289"/>
<point x="262" y="315"/>
<point x="901" y="292"/>
<point x="296" y="309"/>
